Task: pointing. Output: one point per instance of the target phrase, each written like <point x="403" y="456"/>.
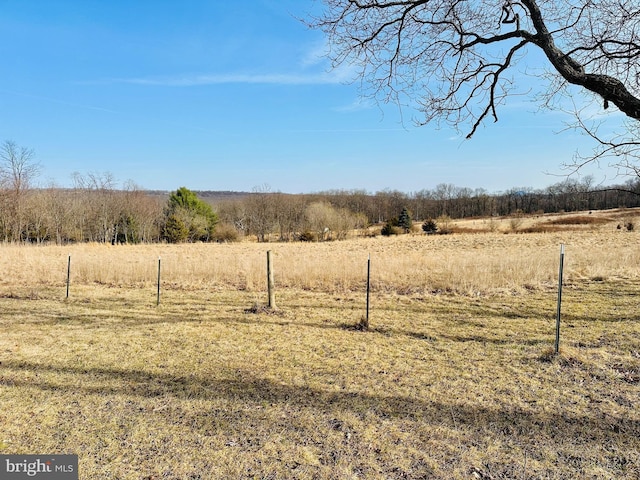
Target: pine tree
<point x="429" y="226"/>
<point x="388" y="229"/>
<point x="175" y="231"/>
<point x="404" y="220"/>
<point x="185" y="210"/>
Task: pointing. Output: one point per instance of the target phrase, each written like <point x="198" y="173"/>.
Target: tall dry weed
<point x="462" y="263"/>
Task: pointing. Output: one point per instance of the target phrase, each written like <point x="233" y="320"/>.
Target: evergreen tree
<point x="175" y="230"/>
<point x="185" y="211"/>
<point x="404" y="220"/>
<point x="429" y="226"/>
<point x="388" y="229"/>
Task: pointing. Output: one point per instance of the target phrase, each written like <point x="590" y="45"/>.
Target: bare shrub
<point x="579" y="220"/>
<point x="445" y="223"/>
<point x="225" y="233"/>
<point x="494" y="224"/>
<point x="516" y="221"/>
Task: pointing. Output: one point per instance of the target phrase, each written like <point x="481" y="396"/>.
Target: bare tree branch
<point x="453" y="60"/>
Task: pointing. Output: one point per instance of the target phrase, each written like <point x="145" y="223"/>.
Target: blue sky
<point x="226" y="95"/>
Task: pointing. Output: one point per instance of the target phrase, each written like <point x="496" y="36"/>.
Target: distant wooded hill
<point x="97" y="212"/>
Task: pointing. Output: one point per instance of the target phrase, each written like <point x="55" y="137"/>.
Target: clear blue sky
<point x="230" y="95"/>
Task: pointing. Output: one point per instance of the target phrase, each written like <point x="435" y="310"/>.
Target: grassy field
<point x="456" y="379"/>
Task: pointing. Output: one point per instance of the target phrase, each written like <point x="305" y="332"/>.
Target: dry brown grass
<point x="580" y="220"/>
<point x="473" y="264"/>
<point x="604" y="220"/>
<point x="444" y="385"/>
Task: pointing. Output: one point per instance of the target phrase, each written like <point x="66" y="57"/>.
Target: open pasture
<point x="455" y="380"/>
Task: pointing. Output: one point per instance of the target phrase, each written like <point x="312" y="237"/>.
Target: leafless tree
<point x="141" y="215"/>
<point x="455" y="60"/>
<point x="260" y="209"/>
<point x="289" y="211"/>
<point x="329" y="223"/>
<point x="18" y="169"/>
<point x="37" y="216"/>
<point x="59" y="206"/>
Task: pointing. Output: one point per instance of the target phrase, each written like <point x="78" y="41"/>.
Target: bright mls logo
<point x="43" y="467"/>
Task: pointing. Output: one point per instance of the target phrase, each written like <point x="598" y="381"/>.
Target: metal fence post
<point x="560" y="273"/>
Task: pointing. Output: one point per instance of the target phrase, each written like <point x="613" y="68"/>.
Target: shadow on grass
<point x="245" y="389"/>
<point x="97" y="316"/>
<point x="496" y="341"/>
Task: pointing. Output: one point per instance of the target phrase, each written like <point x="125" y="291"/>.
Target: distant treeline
<point x="287" y="216"/>
<point x="460" y="202"/>
<point x="95" y="210"/>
